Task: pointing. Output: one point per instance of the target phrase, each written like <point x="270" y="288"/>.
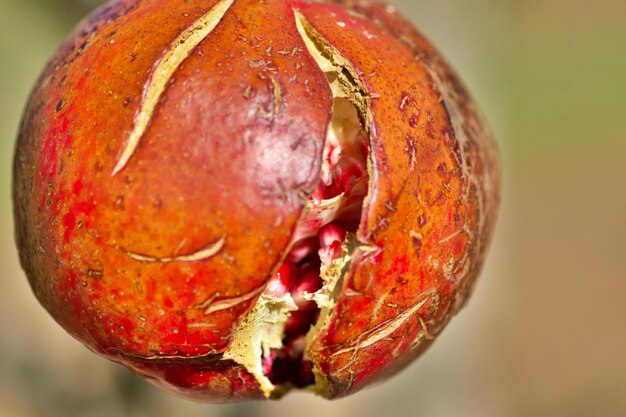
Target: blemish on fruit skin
<point x="82" y="208"/>
<point x="414" y="119"/>
<point x="386" y="328"/>
<point x="272" y="110"/>
<point x="451" y="236"/>
<point x="119" y="203"/>
<point x="210" y="251"/>
<point x="417" y="241"/>
<point x="216" y="303"/>
<point x="163" y="71"/>
<point x="405" y="101"/>
<point x="60" y="105"/>
<point x="411" y="150"/>
<point x="95" y="273"/>
<point x="247" y="92"/>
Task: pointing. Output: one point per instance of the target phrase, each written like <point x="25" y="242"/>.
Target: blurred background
<point x="544" y="334"/>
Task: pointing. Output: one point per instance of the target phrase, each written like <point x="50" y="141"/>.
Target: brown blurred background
<point x="545" y="333"/>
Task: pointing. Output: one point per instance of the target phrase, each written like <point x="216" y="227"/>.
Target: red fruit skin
<point x="231" y="154"/>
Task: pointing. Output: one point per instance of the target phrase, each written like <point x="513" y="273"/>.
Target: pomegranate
<point x="234" y="198"/>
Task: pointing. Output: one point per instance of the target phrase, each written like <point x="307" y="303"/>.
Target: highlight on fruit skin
<point x="234" y="198"/>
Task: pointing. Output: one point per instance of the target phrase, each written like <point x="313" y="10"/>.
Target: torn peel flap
<point x="334" y="277"/>
<point x="261" y="330"/>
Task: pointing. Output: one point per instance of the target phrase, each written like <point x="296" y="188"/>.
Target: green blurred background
<point x="545" y="333"/>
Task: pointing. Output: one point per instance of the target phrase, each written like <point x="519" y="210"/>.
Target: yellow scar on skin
<point x="179" y="51"/>
<point x="201" y="255"/>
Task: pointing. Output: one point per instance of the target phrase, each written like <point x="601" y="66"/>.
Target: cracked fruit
<point x="234" y="198"/>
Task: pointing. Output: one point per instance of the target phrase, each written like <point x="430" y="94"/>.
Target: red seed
<point x="331" y="233"/>
<point x="268" y="361"/>
<point x="330" y="253"/>
<point x="345" y="173"/>
<point x="308" y="283"/>
<point x="303" y="249"/>
<point x="299" y="321"/>
<point x="281" y="281"/>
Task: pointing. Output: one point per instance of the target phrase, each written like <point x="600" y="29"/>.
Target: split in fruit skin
<point x="344" y="169"/>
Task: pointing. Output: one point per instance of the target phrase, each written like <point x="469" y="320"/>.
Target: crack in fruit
<point x="169" y="359"/>
<point x="387" y="327"/>
<point x="211" y="306"/>
<point x="341" y="75"/>
<point x="258" y="332"/>
<point x="201" y="255"/>
<point x="178" y="52"/>
<point x="351" y="107"/>
<point x="271" y="340"/>
<point x="276" y="99"/>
